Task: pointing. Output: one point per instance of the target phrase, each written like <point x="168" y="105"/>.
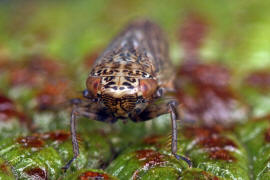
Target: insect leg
<point x="79" y="109"/>
<point x="154" y="110"/>
<point x="76" y="151"/>
<point x="174" y="117"/>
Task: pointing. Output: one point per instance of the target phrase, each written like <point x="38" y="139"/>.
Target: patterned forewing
<point x="140" y="47"/>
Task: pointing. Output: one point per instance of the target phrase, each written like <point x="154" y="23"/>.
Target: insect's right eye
<point x="148" y="87"/>
<point x="93" y="85"/>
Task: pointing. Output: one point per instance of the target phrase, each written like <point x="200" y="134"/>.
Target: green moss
<point x="6" y="171"/>
<point x="237" y="35"/>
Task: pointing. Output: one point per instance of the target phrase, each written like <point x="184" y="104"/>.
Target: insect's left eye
<point x="93" y="85"/>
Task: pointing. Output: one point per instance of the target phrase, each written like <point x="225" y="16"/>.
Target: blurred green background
<point x="55" y="42"/>
<point x="238" y="32"/>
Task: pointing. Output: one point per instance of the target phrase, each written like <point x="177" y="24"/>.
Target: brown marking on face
<point x="128" y="66"/>
<point x="115" y="65"/>
<point x="128" y="103"/>
<point x="93" y="85"/>
<point x="148" y="87"/>
<point x="93" y="175"/>
<point x="37" y="173"/>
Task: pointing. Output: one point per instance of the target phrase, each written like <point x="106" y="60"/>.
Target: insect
<point x="127" y="80"/>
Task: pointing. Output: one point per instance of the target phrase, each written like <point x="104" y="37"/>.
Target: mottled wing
<point x="141" y="42"/>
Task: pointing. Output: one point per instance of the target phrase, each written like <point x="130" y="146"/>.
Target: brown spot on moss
<point x="222" y="154"/>
<point x="216" y="141"/>
<point x="191" y="132"/>
<point x="7" y="108"/>
<point x="211" y="139"/>
<point x="43" y="64"/>
<point x="206" y="94"/>
<point x="56" y="136"/>
<point x="4" y="168"/>
<point x="205" y="76"/>
<point x="197" y="174"/>
<point x="259" y="79"/>
<point x="149" y="157"/>
<point x="22" y="76"/>
<point x="93" y="175"/>
<point x="4" y="62"/>
<point x="209" y="136"/>
<point x="209" y="176"/>
<point x="152" y="140"/>
<point x="31" y="142"/>
<point x="192" y="32"/>
<point x="34" y="71"/>
<point x="52" y="95"/>
<point x="215" y="146"/>
<point x="38" y="140"/>
<point x="37" y="173"/>
<point x="267" y="135"/>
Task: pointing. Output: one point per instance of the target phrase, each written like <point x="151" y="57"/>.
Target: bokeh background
<point x="236" y="32"/>
<point x="221" y="53"/>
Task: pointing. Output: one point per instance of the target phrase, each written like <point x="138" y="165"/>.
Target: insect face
<point x="122" y="95"/>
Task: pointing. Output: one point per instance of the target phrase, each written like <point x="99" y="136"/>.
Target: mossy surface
<point x="221" y="54"/>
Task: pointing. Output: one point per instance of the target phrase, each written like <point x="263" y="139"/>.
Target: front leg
<point x="81" y="108"/>
<point x="154" y="110"/>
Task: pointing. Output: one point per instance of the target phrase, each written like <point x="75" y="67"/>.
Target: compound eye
<point x="93" y="85"/>
<point x="148" y="87"/>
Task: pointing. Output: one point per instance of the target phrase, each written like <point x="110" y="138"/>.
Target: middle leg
<point x="154" y="110"/>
